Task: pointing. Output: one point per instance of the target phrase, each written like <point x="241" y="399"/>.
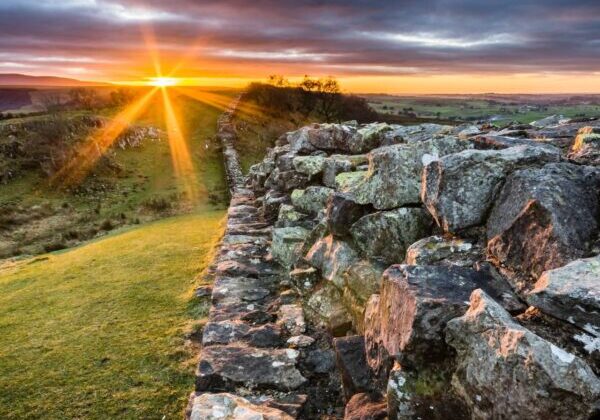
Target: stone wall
<point x="457" y="268"/>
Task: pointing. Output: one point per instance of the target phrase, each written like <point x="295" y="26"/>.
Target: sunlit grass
<point x="97" y="332"/>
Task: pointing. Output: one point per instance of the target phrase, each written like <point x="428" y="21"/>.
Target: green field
<point x="97" y="331"/>
<point x="481" y="108"/>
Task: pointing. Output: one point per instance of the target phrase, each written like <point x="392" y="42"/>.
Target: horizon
<point x="436" y="47"/>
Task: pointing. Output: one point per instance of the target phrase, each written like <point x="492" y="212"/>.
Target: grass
<point x="148" y="177"/>
<point x="97" y="331"/>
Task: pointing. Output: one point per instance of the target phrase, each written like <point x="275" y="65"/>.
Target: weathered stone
<point x="336" y="164"/>
<point x="416" y="133"/>
<point x="223" y="406"/>
<point x="352" y="364"/>
<point x="288" y="216"/>
<point x="435" y="250"/>
<point x="347" y="181"/>
<point x="386" y="235"/>
<point x="363" y="278"/>
<point x="586" y="147"/>
<point x="241" y="289"/>
<point x="226" y="332"/>
<point x="549" y="121"/>
<point x="506" y="371"/>
<point x="365" y="406"/>
<point x="415" y="305"/>
<point x="325" y="307"/>
<point x="571" y="293"/>
<point x="298" y="141"/>
<point x="332" y="137"/>
<point x="469" y="131"/>
<point x="423" y="393"/>
<point x="342" y="212"/>
<point x="292" y="318"/>
<point x="271" y="203"/>
<point x="531" y="228"/>
<point x="309" y="165"/>
<point x="332" y="257"/>
<point x="378" y="358"/>
<point x="320" y="360"/>
<point x="368" y="137"/>
<point x="224" y="367"/>
<point x="311" y="200"/>
<point x="287" y="243"/>
<point x="394" y="176"/>
<point x="499" y="142"/>
<point x="304" y="279"/>
<point x="459" y="189"/>
<point x="299" y="341"/>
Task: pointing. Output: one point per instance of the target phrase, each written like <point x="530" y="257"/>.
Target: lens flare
<point x="180" y="155"/>
<point x="96" y="145"/>
<point x="163" y="81"/>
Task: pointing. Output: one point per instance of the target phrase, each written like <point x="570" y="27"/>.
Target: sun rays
<point x="161" y="87"/>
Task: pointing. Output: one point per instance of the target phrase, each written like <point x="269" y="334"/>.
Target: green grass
<point x="97" y="331"/>
<point x="147" y="176"/>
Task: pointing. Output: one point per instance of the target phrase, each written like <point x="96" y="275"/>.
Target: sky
<point x="402" y="46"/>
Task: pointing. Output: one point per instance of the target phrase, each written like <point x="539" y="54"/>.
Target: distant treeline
<point x="319" y="99"/>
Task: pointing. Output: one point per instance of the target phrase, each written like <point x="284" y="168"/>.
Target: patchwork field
<point x="495" y="108"/>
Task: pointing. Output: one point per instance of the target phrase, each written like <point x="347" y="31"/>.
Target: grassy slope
<point x="149" y="175"/>
<point x="97" y="331"/>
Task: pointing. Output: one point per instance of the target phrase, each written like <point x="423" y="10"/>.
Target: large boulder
<point x="386" y="235"/>
<point x="586" y="147"/>
<point x="394" y="175"/>
<point x="415" y="304"/>
<point x="571" y="293"/>
<point x="506" y="371"/>
<point x="332" y="257"/>
<point x="289" y="217"/>
<point x="311" y="200"/>
<point x="459" y="189"/>
<point x="544" y="218"/>
<point x="287" y="244"/>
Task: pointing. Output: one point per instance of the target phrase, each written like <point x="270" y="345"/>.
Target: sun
<point x="163" y="81"/>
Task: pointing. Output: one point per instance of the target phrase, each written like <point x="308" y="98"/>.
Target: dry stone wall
<point x="457" y="267"/>
<point x="409" y="272"/>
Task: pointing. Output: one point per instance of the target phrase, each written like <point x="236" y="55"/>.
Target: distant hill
<point x="15" y="79"/>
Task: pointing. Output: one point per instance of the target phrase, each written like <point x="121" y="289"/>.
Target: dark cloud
<point x="338" y="37"/>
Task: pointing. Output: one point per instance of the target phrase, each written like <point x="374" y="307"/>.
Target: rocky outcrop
<point x="506" y="371"/>
<point x="459" y="189"/>
<point x="556" y="206"/>
<point x="338" y="273"/>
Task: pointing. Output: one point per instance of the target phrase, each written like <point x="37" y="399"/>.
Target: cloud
<point x="297" y="37"/>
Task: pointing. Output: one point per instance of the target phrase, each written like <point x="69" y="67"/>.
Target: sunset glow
<point x="415" y="47"/>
